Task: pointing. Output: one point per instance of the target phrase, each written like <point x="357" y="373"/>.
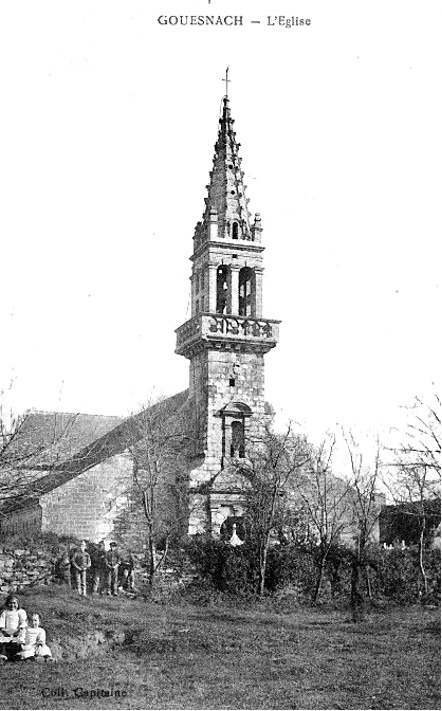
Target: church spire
<point x="226" y="214"/>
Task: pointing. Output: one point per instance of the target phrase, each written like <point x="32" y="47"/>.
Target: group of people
<point x="100" y="571"/>
<point x="21" y="639"/>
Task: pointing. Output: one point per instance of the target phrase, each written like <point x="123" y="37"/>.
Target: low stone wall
<point x="24" y="567"/>
<point x="20" y="568"/>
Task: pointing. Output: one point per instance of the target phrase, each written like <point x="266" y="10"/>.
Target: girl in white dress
<point x="34" y="643"/>
<point x="13" y="622"/>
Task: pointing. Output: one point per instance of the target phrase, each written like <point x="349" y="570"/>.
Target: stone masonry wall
<point x="22" y="521"/>
<point x="23" y="568"/>
<point x="211" y="374"/>
<point x="20" y="568"/>
<point x="87" y="505"/>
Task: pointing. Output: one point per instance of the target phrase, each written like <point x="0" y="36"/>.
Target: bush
<point x="397" y="576"/>
<point x="48" y="541"/>
<point x="294" y="566"/>
<point x="393" y="574"/>
<point x="226" y="569"/>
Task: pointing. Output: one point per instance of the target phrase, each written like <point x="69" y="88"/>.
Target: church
<point x="72" y="473"/>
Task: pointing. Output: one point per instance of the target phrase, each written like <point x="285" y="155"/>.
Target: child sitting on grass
<point x="13" y="622"/>
<point x="34" y="644"/>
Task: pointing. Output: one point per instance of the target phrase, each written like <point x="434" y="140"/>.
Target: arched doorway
<point x="226" y="530"/>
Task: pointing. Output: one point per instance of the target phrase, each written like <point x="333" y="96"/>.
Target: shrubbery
<point x="225" y="569"/>
<point x="397" y="575"/>
<point x="47" y="540"/>
<point x="393" y="574"/>
<point x="207" y="570"/>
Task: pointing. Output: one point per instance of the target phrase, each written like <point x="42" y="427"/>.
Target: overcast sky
<point x="108" y="126"/>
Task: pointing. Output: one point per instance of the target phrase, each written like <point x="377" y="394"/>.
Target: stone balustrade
<point x="211" y="327"/>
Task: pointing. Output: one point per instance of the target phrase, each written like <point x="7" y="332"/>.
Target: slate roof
<point x="82" y="442"/>
<point x="47" y="439"/>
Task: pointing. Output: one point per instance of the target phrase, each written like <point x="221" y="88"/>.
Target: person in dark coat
<point x="127" y="566"/>
<point x="63" y="567"/>
<point x="113" y="561"/>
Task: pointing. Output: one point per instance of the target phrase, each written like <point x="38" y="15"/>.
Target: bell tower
<point x="226" y="337"/>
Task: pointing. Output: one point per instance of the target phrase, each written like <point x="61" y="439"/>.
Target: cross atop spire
<point x="226" y="215"/>
<point x="227" y="81"/>
<point x="226" y="190"/>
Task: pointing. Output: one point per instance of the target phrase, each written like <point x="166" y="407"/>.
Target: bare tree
<point x="39" y="451"/>
<point x="272" y="467"/>
<point x="162" y="438"/>
<point x="413" y="476"/>
<point x="416" y="495"/>
<point x="325" y="499"/>
<point x="365" y="504"/>
<point x="420" y="444"/>
<point x="27" y="454"/>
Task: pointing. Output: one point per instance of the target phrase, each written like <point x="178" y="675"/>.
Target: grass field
<point x="191" y="657"/>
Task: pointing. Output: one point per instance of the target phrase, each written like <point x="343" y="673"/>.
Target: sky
<point x="108" y="125"/>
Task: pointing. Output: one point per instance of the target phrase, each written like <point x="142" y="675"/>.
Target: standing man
<point x="99" y="568"/>
<point x="81" y="562"/>
<point x="63" y="566"/>
<point x="112" y="562"/>
<point x="127" y="566"/>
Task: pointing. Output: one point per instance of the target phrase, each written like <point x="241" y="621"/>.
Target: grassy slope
<point x="224" y="657"/>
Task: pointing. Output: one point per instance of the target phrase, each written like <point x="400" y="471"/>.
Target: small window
<point x="232" y="382"/>
<point x="237" y="444"/>
<point x="235" y="230"/>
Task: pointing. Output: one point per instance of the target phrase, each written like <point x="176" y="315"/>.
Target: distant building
<point x="399" y="523"/>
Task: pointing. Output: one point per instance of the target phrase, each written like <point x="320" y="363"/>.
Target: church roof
<point x="82" y="442"/>
<point x="47" y="439"/>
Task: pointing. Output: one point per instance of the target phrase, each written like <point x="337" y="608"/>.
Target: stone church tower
<point x="226" y="338"/>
